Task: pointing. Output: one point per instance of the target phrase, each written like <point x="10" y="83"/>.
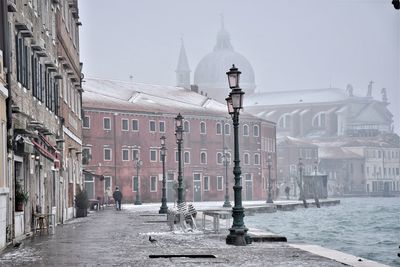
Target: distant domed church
<point x="210" y="75"/>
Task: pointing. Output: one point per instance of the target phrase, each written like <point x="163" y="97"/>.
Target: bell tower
<point x="182" y="70"/>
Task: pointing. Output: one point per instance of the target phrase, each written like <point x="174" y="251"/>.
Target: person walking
<point x="117" y="195"/>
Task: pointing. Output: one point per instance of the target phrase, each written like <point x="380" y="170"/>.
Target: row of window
<point x="161" y="126"/>
<point x="386" y="171"/>
<point x="35" y="76"/>
<point x="318" y="121"/>
<point x="207" y="184"/>
<point x="155" y="154"/>
<point x="386" y="154"/>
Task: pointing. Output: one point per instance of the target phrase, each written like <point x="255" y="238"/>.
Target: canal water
<point x="365" y="227"/>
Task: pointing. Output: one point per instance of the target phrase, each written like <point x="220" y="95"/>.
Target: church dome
<point x="210" y="73"/>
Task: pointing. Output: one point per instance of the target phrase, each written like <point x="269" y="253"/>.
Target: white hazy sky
<point x="291" y="44"/>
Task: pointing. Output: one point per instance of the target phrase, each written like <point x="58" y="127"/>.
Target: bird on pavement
<point x="17" y="244"/>
<point x="152" y="240"/>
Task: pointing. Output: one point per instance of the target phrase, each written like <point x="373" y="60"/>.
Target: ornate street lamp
<point x="315" y="184"/>
<point x="301" y="183"/>
<point x="179" y="139"/>
<point x="269" y="165"/>
<point x="164" y="207"/>
<point x="138" y="164"/>
<point x="227" y="203"/>
<point x="238" y="232"/>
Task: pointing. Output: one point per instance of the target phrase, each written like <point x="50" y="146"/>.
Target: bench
<point x="184" y="215"/>
<point x="41" y="221"/>
<point x="216" y="215"/>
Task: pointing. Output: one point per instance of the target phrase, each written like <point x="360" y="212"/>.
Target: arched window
<point x="227" y="129"/>
<point x="186" y="126"/>
<point x="186" y="157"/>
<point x="246" y="158"/>
<point x="219" y="128"/>
<point x="256" y="131"/>
<point x="203" y="127"/>
<point x="203" y="158"/>
<point x="284" y="121"/>
<point x="319" y="120"/>
<point x="256" y="159"/>
<point x="219" y="158"/>
<point x="245" y="130"/>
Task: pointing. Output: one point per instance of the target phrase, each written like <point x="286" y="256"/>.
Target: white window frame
<point x="83" y="125"/>
<point x="186" y="129"/>
<point x="244" y="132"/>
<point x="122" y="125"/>
<point x="135" y="130"/>
<point x="220" y="155"/>
<point x="122" y="154"/>
<point x="184" y="158"/>
<point x="202" y="123"/>
<point x="156" y="182"/>
<point x="201" y="153"/>
<point x="155" y="153"/>
<point x="133" y="153"/>
<point x="104" y="120"/>
<point x="104" y="154"/>
<point x="246" y="155"/>
<point x="216" y="128"/>
<point x="258" y="130"/>
<point x="229" y="127"/>
<point x="159" y="126"/>
<point x="222" y="183"/>
<point x="155" y="126"/>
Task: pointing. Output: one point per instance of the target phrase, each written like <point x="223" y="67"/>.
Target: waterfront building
<point x="124" y="121"/>
<point x="37" y="34"/>
<point x="345" y="127"/>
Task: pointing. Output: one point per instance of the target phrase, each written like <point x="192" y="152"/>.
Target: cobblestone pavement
<point x="121" y="238"/>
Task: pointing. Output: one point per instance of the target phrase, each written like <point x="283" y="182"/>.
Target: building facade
<point x="345" y="127"/>
<point x="124" y="121"/>
<point x="35" y="80"/>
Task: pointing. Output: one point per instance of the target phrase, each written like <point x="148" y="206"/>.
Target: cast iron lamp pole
<point x="227" y="203"/>
<point x="179" y="138"/>
<point x="164" y="207"/>
<point x="138" y="164"/>
<point x="238" y="232"/>
<point x="269" y="164"/>
<point x="300" y="166"/>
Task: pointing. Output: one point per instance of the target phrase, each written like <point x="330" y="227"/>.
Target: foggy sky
<point x="291" y="44"/>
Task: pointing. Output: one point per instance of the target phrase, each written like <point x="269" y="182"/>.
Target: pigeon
<point x="152" y="240"/>
<point x="17" y="244"/>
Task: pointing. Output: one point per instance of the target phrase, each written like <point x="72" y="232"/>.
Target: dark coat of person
<point x="117" y="195"/>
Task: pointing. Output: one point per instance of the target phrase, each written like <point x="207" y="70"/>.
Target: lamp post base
<point x="227" y="204"/>
<point x="138" y="202"/>
<point x="163" y="208"/>
<point x="238" y="237"/>
<point x="269" y="200"/>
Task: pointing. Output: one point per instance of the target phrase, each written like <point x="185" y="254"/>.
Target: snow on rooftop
<point x="296" y="97"/>
<point x="146" y="97"/>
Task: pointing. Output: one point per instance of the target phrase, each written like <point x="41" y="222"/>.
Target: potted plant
<point x="21" y="197"/>
<point x="81" y="203"/>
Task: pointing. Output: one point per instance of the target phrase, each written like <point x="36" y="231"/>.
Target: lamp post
<point x="164" y="207"/>
<point x="269" y="164"/>
<point x="238" y="232"/>
<point x="300" y="182"/>
<point x="315" y="184"/>
<point x="138" y="164"/>
<point x="227" y="203"/>
<point x="179" y="138"/>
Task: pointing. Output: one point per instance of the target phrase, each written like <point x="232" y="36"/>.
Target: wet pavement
<point x="121" y="238"/>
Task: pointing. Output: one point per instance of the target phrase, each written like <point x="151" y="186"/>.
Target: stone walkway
<point x="121" y="238"/>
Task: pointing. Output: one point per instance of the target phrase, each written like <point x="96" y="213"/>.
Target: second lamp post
<point x="164" y="207"/>
<point x="238" y="232"/>
<point x="138" y="164"/>
<point x="179" y="139"/>
<point x="269" y="164"/>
